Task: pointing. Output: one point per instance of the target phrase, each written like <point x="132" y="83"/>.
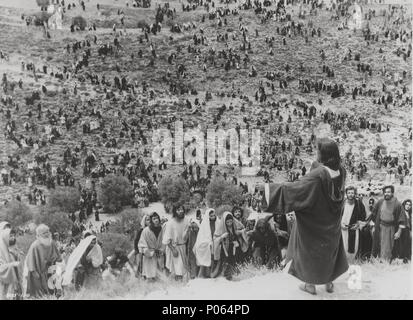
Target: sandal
<point x="311" y="290"/>
<point x="330" y="287"/>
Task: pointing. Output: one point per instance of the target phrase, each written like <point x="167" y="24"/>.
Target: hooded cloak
<point x="221" y="229"/>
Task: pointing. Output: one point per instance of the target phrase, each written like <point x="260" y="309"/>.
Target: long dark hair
<point x="404" y="203"/>
<point x="175" y="209"/>
<point x="329" y="154"/>
<point x="152" y="215"/>
<point x="235" y="209"/>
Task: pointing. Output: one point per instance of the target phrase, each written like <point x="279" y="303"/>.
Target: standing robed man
<point x="315" y="249"/>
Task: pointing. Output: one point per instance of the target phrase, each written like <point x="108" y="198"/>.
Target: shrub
<point x="24" y="242"/>
<point x="221" y="209"/>
<point x="142" y="24"/>
<point x="110" y="241"/>
<point x="220" y="192"/>
<point x="16" y="213"/>
<point x="114" y="193"/>
<point x="79" y="22"/>
<point x="43" y="3"/>
<point x="56" y="219"/>
<point x="128" y="223"/>
<point x="196" y="200"/>
<point x="174" y="191"/>
<point x="65" y="199"/>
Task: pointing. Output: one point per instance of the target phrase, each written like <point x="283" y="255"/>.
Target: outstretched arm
<point x="293" y="196"/>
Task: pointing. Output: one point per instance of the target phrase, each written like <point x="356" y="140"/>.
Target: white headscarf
<point x="4" y="225"/>
<point x="95" y="255"/>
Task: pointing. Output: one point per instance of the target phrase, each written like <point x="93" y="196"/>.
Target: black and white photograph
<point x="205" y="150"/>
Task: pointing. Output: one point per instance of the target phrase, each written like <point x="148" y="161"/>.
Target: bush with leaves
<point x="16" y="213"/>
<point x="174" y="191"/>
<point x="196" y="200"/>
<point x="142" y="24"/>
<point x="80" y="22"/>
<point x="110" y="241"/>
<point x="24" y="241"/>
<point x="219" y="211"/>
<point x="114" y="193"/>
<point x="66" y="199"/>
<point x="43" y="3"/>
<point x="221" y="192"/>
<point x="128" y="222"/>
<point x="56" y="219"/>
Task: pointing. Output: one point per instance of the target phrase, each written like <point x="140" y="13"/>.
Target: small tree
<point x="219" y="211"/>
<point x="57" y="220"/>
<point x="220" y="192"/>
<point x="114" y="193"/>
<point x="142" y="24"/>
<point x="111" y="241"/>
<point x="128" y="222"/>
<point x="16" y="213"/>
<point x="24" y="242"/>
<point x="174" y="191"/>
<point x="80" y="22"/>
<point x="66" y="199"/>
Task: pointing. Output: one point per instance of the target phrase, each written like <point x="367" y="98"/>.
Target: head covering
<point x="8" y="274"/>
<point x="404" y="203"/>
<point x="203" y="247"/>
<point x="95" y="255"/>
<point x="143" y="224"/>
<point x="4" y="225"/>
<point x="222" y="227"/>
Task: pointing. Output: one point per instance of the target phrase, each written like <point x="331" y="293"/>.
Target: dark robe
<point x="315" y="248"/>
<point x="398" y="219"/>
<point x="266" y="249"/>
<point x="403" y="246"/>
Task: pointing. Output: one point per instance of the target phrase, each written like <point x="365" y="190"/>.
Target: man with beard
<point x="150" y="244"/>
<point x="353" y="217"/>
<point x="41" y="255"/>
<point x="9" y="273"/>
<point x="238" y="214"/>
<point x="204" y="245"/>
<point x="315" y="252"/>
<point x="240" y="224"/>
<point x="175" y="238"/>
<point x="388" y="217"/>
